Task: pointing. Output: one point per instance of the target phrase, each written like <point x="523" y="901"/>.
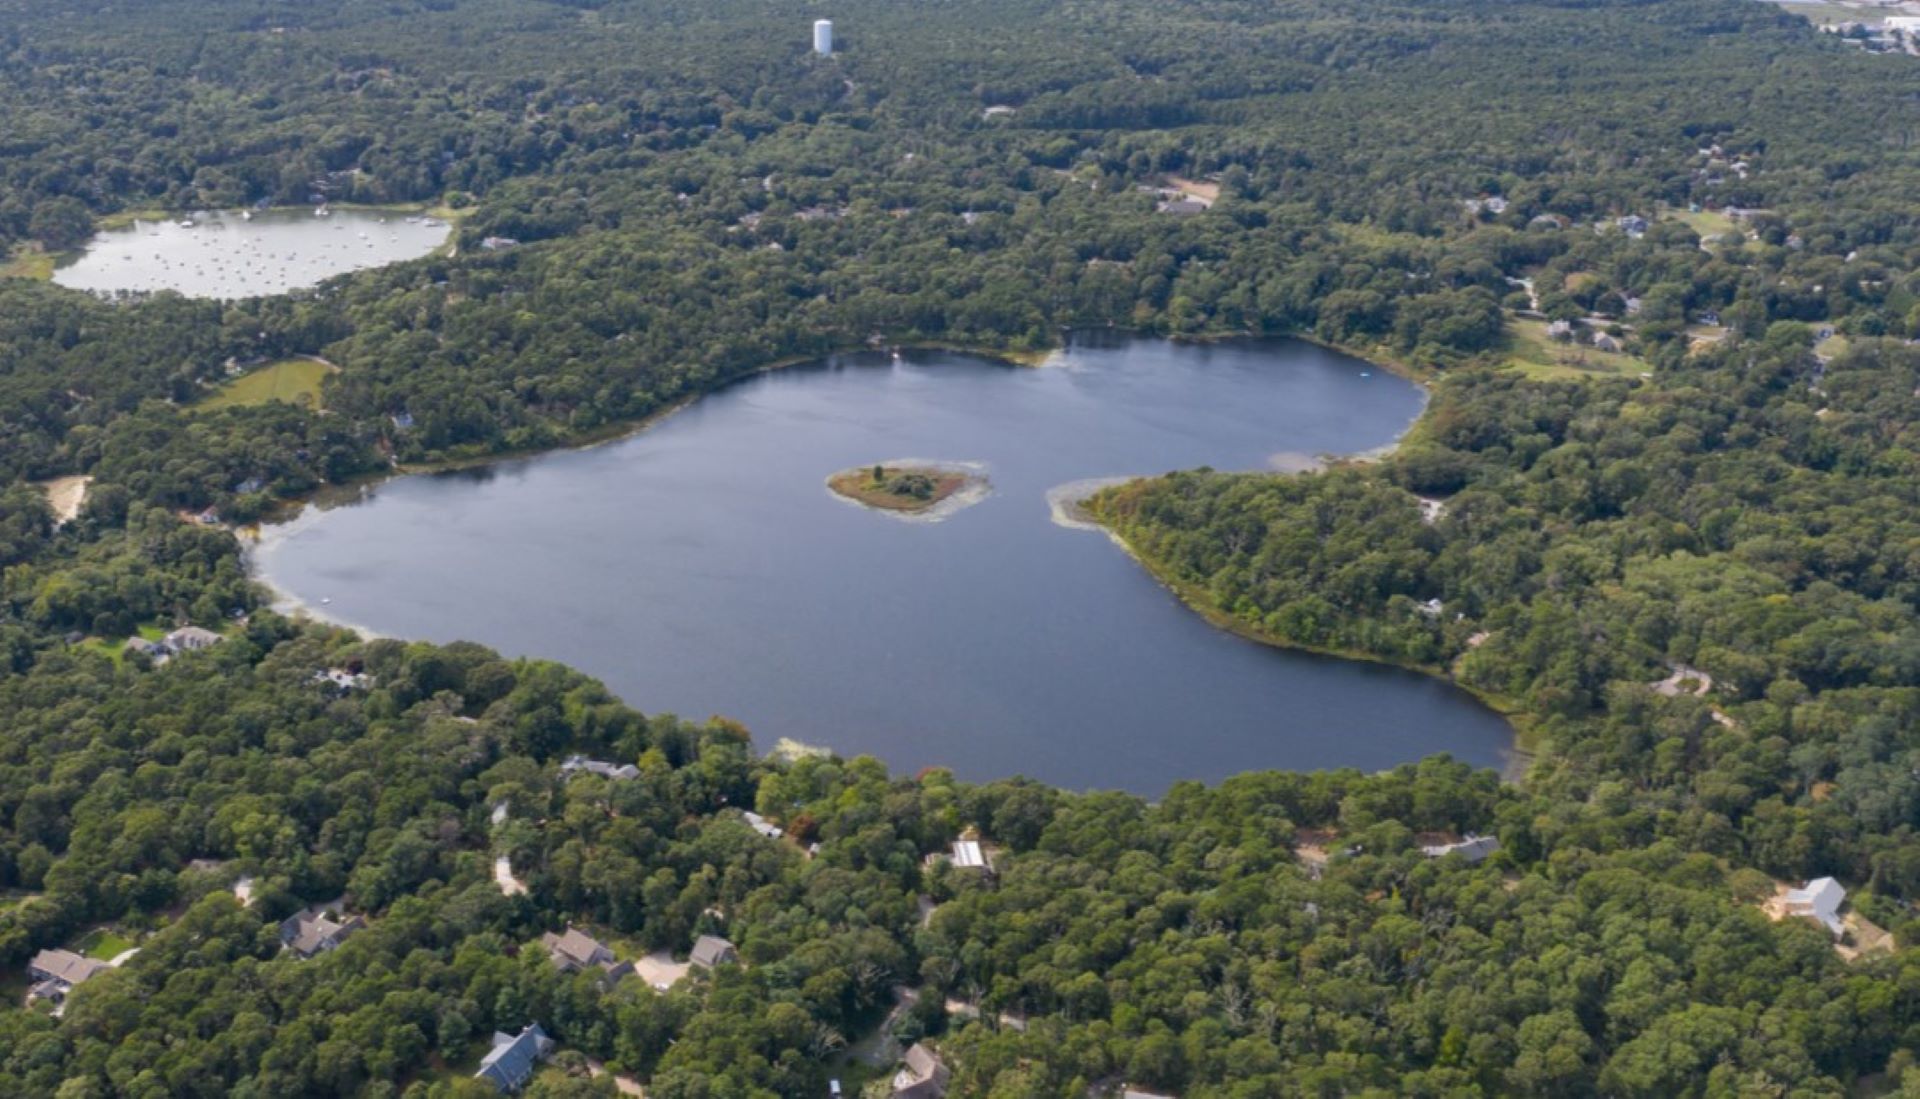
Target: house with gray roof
<point x="56" y="972"/>
<point x="1473" y="848"/>
<point x="514" y="1057"/>
<point x="922" y="1075"/>
<point x="575" y="950"/>
<point x="712" y="950"/>
<point x="189" y="639"/>
<point x="312" y="931"/>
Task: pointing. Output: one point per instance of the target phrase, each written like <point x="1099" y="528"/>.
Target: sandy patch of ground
<point x="625" y="1085"/>
<point x="503" y="877"/>
<point x="65" y="495"/>
<point x="660" y="970"/>
<point x="1684" y="680"/>
<point x="1208" y="193"/>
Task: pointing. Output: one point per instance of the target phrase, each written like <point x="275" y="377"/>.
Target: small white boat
<point x="186" y="223"/>
<point x="246" y="215"/>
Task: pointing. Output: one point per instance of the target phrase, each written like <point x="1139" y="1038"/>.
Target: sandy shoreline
<point x="976" y="489"/>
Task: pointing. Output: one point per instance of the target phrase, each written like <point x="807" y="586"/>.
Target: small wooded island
<point x="900" y="487"/>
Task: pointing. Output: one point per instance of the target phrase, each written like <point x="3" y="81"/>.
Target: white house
<point x="1820" y="900"/>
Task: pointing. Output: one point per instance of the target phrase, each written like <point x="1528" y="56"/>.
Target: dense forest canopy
<point x="1690" y="566"/>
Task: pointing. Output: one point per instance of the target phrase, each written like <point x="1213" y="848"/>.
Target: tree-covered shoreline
<point x="1657" y="259"/>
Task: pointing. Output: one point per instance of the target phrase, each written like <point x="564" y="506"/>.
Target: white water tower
<point x="823" y="37"/>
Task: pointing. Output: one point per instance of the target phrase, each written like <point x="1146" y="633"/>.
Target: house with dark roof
<point x="56" y="972"/>
<point x="575" y="950"/>
<point x="313" y="931"/>
<point x="514" y="1057"/>
<point x="922" y="1075"/>
<point x="712" y="950"/>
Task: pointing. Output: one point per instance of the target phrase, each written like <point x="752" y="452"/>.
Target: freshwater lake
<point x="702" y="566"/>
<point x="225" y="255"/>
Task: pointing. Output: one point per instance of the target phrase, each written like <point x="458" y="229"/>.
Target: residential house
<point x="576" y="950"/>
<point x="1820" y="899"/>
<point x="998" y="110"/>
<point x="56" y="972"/>
<point x="155" y="651"/>
<point x="498" y="244"/>
<point x="189" y="639"/>
<point x="1183" y="207"/>
<point x="1633" y="225"/>
<point x="710" y="951"/>
<point x="312" y="931"/>
<point x="1136" y="1093"/>
<point x="1604" y="342"/>
<point x="577" y="764"/>
<point x="514" y="1057"/>
<point x="762" y="825"/>
<point x="967" y="853"/>
<point x="922" y="1076"/>
<point x="1473" y="848"/>
<point x="1560" y="330"/>
<point x="341" y="681"/>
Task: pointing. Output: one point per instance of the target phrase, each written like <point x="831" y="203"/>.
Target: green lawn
<point x="1531" y="351"/>
<point x="295" y="381"/>
<point x="1707" y="223"/>
<point x="115" y="648"/>
<point x="27" y="262"/>
<point x="103" y="943"/>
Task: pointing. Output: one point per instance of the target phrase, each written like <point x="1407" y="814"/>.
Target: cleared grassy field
<point x="295" y="381"/>
<point x="103" y="944"/>
<point x="27" y="262"/>
<point x="1531" y="351"/>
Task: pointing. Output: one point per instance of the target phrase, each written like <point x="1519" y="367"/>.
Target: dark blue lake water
<point x="703" y="567"/>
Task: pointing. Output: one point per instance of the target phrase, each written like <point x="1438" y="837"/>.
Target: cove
<point x="702" y="566"/>
<point x="228" y="255"/>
